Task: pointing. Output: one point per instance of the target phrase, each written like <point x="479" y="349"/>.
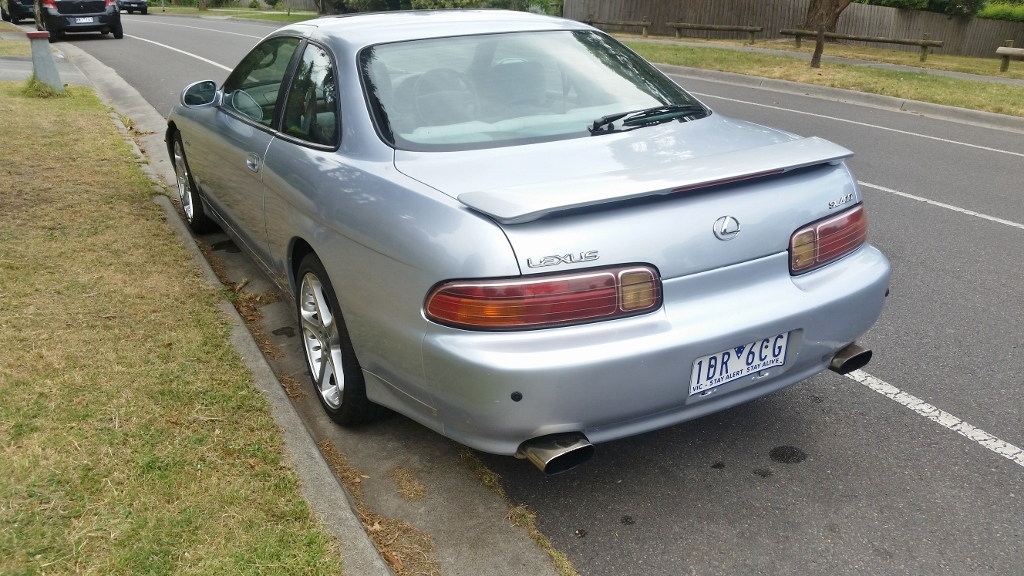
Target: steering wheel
<point x="444" y="96"/>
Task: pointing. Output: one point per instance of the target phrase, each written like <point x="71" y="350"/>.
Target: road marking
<point x="151" y="21"/>
<point x="1004" y="449"/>
<point x="936" y="138"/>
<point x="943" y="205"/>
<point x="221" y="66"/>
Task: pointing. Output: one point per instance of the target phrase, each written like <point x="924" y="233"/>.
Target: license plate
<point x="83" y="20"/>
<point x="716" y="369"/>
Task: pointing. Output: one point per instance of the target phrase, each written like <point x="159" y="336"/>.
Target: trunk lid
<point x="647" y="196"/>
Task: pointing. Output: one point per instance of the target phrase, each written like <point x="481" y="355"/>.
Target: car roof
<point x="358" y="30"/>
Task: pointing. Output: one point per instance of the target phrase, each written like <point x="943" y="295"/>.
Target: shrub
<point x="1012" y="11"/>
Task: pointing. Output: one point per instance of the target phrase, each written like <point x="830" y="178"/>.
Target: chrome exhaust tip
<point x="848" y="359"/>
<point x="556" y="453"/>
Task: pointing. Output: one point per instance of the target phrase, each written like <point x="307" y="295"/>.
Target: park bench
<point x="1007" y="53"/>
<point x="715" y="28"/>
<point x="924" y="43"/>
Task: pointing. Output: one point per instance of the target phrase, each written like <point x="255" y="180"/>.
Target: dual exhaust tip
<point x="556" y="453"/>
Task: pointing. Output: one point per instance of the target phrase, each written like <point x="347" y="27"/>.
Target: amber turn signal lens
<point x="638" y="289"/>
<point x="541" y="302"/>
<point x="827" y="240"/>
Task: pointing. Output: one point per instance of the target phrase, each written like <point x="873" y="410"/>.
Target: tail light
<point x="827" y="240"/>
<point x="109" y="3"/>
<point x="50" y="4"/>
<point x="542" y="302"/>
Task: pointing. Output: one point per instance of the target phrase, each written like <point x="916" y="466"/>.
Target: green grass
<point x="132" y="439"/>
<point x="986" y="96"/>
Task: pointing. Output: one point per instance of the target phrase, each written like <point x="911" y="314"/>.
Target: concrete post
<point x="43" y="65"/>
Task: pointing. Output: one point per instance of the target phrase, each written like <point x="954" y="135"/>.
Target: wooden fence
<point x="965" y="37"/>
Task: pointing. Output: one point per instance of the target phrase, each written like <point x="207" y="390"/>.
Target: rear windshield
<point x="498" y="90"/>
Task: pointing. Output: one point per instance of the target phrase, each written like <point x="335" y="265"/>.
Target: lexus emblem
<point x="726" y="228"/>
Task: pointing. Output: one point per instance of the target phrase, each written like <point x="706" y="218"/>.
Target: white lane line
<point x="943" y="205"/>
<point x="1004" y="449"/>
<point x="865" y="124"/>
<point x="150" y="21"/>
<point x="221" y="66"/>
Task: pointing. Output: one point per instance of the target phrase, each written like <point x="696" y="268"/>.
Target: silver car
<point x="520" y="234"/>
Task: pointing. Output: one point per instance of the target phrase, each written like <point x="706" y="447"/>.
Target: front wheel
<point x="118" y="30"/>
<point x="331" y="360"/>
<point x="191" y="203"/>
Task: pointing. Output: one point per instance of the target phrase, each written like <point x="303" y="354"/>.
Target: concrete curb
<point x="318" y="485"/>
<point x="949" y="113"/>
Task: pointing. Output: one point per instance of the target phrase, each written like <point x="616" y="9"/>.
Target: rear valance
<point x="518" y="204"/>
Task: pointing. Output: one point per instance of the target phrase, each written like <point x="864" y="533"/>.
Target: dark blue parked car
<point x="14" y="11"/>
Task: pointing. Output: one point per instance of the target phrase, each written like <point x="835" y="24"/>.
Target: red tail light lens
<point x="50" y="4"/>
<point x="109" y="3"/>
<point x="827" y="240"/>
<point x="546" y="301"/>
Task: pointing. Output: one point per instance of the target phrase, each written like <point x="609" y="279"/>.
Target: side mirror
<point x="199" y="94"/>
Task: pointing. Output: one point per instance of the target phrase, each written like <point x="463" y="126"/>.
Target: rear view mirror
<point x="199" y="94"/>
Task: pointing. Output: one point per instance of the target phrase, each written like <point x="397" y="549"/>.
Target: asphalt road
<point x="882" y="489"/>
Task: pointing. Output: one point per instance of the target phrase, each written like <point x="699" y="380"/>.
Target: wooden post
<point x="924" y="49"/>
<point x="797" y="37"/>
<point x="677" y="33"/>
<point x="1004" y="65"/>
<point x="644" y="25"/>
<point x="752" y="34"/>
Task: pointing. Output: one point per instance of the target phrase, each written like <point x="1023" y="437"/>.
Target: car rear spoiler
<point x="518" y="204"/>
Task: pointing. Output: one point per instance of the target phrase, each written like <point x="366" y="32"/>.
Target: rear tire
<point x="144" y="11"/>
<point x="14" y="19"/>
<point x="333" y="367"/>
<point x="118" y="30"/>
<point x="191" y="203"/>
<point x="4" y="16"/>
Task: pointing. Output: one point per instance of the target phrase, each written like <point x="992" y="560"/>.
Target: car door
<point x="229" y="162"/>
<point x="300" y="161"/>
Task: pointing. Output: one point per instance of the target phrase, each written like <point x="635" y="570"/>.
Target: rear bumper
<point x="624" y="377"/>
<point x="70" y="23"/>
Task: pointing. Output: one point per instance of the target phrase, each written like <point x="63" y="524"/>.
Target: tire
<point x="14" y="19"/>
<point x="144" y="11"/>
<point x="129" y="10"/>
<point x="4" y="15"/>
<point x="336" y="375"/>
<point x="191" y="203"/>
<point x="118" y="30"/>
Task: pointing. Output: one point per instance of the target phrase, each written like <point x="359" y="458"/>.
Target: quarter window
<point x="311" y="112"/>
<point x="254" y="87"/>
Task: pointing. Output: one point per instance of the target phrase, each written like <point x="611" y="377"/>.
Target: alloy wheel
<point x="183" y="177"/>
<point x="321" y="341"/>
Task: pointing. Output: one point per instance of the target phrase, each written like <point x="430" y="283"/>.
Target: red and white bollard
<point x="43" y="65"/>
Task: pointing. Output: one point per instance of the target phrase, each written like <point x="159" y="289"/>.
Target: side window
<point x="311" y="112"/>
<point x="254" y="86"/>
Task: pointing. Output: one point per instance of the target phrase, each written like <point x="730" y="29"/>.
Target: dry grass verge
<point x="920" y="86"/>
<point x="132" y="439"/>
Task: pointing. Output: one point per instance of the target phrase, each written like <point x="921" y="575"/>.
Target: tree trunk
<point x="202" y="5"/>
<point x="819" y="47"/>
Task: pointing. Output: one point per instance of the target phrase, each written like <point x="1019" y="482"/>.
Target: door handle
<point x="252" y="161"/>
